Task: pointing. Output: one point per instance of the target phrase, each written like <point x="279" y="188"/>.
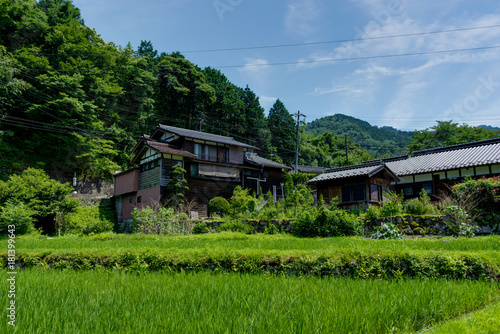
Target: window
<point x="149" y="165"/>
<point x="408" y="190"/>
<point x="202" y="151"/>
<point x="139" y="199"/>
<point x="194" y="170"/>
<point x="355" y="193"/>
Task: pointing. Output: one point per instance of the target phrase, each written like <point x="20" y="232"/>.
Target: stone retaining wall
<point x="424" y="225"/>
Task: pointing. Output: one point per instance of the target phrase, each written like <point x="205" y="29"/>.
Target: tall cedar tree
<point x="283" y="131"/>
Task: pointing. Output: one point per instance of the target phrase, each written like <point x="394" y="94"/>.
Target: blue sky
<point x="406" y="92"/>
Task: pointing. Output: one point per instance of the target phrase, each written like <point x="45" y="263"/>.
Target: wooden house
<point x="214" y="166"/>
<point x="355" y="187"/>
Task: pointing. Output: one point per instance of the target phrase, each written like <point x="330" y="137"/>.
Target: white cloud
<point x="318" y="91"/>
<point x="301" y="16"/>
<point x="400" y="112"/>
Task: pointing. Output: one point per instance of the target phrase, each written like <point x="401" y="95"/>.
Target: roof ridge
<point x="478" y="143"/>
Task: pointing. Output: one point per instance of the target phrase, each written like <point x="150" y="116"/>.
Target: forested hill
<point x="379" y="142"/>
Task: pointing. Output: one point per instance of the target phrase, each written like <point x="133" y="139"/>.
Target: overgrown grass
<point x="105" y="302"/>
<point x="237" y="241"/>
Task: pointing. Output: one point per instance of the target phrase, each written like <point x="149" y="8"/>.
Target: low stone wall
<point x="423" y="225"/>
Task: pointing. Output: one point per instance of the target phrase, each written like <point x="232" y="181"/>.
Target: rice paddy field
<point x="143" y="300"/>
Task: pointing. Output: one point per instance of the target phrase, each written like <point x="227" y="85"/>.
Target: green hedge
<point x="465" y="266"/>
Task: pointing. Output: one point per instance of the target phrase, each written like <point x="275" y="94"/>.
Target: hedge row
<point x="357" y="265"/>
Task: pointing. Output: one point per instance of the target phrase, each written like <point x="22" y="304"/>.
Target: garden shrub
<point x="235" y="227"/>
<point x="219" y="206"/>
<point x="87" y="220"/>
<point x="327" y="222"/>
<point x="241" y="202"/>
<point x="271" y="229"/>
<point x="201" y="228"/>
<point x="161" y="220"/>
<point x="372" y="212"/>
<point x="17" y="214"/>
<point x="421" y="205"/>
<point x="393" y="205"/>
<point x="461" y="225"/>
<point x="387" y="231"/>
<point x="479" y="197"/>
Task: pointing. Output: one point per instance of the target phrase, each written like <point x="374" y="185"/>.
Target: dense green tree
<point x="181" y="90"/>
<point x="41" y="195"/>
<point x="283" y="131"/>
<point x="256" y="129"/>
<point x="227" y="113"/>
<point x="446" y="133"/>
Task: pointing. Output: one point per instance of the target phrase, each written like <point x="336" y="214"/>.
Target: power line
<point x="305" y="62"/>
<point x="339" y="40"/>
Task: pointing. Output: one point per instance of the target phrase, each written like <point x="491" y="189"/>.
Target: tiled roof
<point x="203" y="136"/>
<point x="253" y="158"/>
<point x="311" y="169"/>
<point x="346" y="172"/>
<point x="452" y="157"/>
<point x="168" y="149"/>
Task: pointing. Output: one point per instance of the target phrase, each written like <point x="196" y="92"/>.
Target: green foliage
<point x="373" y="212"/>
<point x="176" y="186"/>
<point x="18" y="215"/>
<point x="40" y="194"/>
<point x="271" y="229"/>
<point x="219" y="206"/>
<point x="484" y="195"/>
<point x="161" y="220"/>
<point x="241" y="202"/>
<point x="392" y="205"/>
<point x="447" y="133"/>
<point x="461" y="225"/>
<point x="283" y="130"/>
<point x="373" y="141"/>
<point x="327" y="222"/>
<point x="88" y="220"/>
<point x="387" y="231"/>
<point x="201" y="228"/>
<point x="235" y="226"/>
<point x="421" y="206"/>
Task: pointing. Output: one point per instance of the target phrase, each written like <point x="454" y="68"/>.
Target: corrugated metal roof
<point x="446" y="158"/>
<point x="346" y="172"/>
<point x="257" y="160"/>
<point x="203" y="136"/>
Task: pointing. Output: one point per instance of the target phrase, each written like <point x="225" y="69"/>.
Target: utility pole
<point x="346" y="151"/>
<point x="298" y="115"/>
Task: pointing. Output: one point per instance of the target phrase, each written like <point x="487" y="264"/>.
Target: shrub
<point x="242" y="202"/>
<point x="387" y="231"/>
<point x="271" y="229"/>
<point x="201" y="228"/>
<point x="41" y="195"/>
<point x="87" y="220"/>
<point x="235" y="227"/>
<point x="372" y="212"/>
<point x="393" y="205"/>
<point x="219" y="206"/>
<point x="160" y="220"/>
<point x="478" y="197"/>
<point x="461" y="225"/>
<point x="17" y="214"/>
<point x="421" y="205"/>
<point x="327" y="222"/>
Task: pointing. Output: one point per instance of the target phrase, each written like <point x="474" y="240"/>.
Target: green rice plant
<point x="482" y="321"/>
<point x="114" y="302"/>
<point x="235" y="226"/>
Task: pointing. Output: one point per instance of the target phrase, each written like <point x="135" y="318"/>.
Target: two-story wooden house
<point x="214" y="166"/>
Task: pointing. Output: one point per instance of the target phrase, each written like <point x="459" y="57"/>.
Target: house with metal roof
<point x="433" y="170"/>
<point x="355" y="187"/>
<point x="214" y="166"/>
